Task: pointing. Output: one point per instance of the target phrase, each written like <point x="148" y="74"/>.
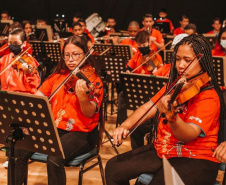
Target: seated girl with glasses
<point x="75" y="111"/>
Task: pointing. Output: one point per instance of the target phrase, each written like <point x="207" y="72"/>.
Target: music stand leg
<point x="110" y="139"/>
<point x="14" y="136"/>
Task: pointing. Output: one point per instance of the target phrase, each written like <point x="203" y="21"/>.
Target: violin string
<point x="148" y="58"/>
<point x="168" y="91"/>
<point x="71" y="73"/>
<point x="11" y="63"/>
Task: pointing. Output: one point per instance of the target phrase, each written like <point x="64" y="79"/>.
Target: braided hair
<point x="200" y="45"/>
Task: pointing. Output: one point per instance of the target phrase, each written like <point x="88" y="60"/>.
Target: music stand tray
<point x="220" y="69"/>
<point x="46" y="51"/>
<point x="138" y="89"/>
<point x="116" y="50"/>
<point x="26" y="122"/>
<point x="168" y="56"/>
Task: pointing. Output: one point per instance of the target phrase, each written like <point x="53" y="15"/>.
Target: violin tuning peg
<point x="165" y="121"/>
<point x="179" y="111"/>
<point x="97" y="84"/>
<point x="163" y="115"/>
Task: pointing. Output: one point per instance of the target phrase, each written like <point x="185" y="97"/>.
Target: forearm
<point x="183" y="131"/>
<point x="159" y="45"/>
<point x="88" y="108"/>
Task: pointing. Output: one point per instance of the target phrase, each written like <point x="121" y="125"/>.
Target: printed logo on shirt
<point x="195" y="118"/>
<point x="59" y="116"/>
<point x="70" y="124"/>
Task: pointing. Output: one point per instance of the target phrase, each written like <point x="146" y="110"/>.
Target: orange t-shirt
<point x="218" y="50"/>
<point x="135" y="61"/>
<point x="178" y="31"/>
<point x="16" y="80"/>
<point x="89" y="35"/>
<point x="203" y="110"/>
<point x="131" y="43"/>
<point x="4" y="50"/>
<point x="157" y="34"/>
<point x="164" y="70"/>
<point x="66" y="108"/>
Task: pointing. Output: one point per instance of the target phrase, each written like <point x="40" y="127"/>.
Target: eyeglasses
<point x="74" y="56"/>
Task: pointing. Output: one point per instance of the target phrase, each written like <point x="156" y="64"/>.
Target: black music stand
<point x="116" y="50"/>
<point x="211" y="38"/>
<point x="168" y="56"/>
<point x="47" y="52"/>
<point x="27" y="123"/>
<point x="167" y="39"/>
<point x="44" y="33"/>
<point x="219" y="64"/>
<point x="111" y="67"/>
<point x="138" y="89"/>
<point x="163" y="27"/>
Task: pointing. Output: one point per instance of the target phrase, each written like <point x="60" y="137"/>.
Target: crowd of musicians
<point x="186" y="127"/>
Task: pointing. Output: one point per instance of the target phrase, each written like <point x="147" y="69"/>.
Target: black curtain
<point x="200" y="12"/>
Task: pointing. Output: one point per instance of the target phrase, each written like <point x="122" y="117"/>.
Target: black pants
<point x="122" y="168"/>
<point x="73" y="143"/>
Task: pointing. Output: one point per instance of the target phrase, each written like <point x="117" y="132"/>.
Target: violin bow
<point x="144" y="116"/>
<point x="11" y="63"/>
<point x="148" y="58"/>
<point x="71" y="73"/>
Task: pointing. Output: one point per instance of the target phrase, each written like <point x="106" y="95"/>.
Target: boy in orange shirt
<point x="183" y="22"/>
<point x="156" y="39"/>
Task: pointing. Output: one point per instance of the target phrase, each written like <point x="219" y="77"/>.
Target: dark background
<point x="200" y="12"/>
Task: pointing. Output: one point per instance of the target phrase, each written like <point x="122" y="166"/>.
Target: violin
<point x="88" y="74"/>
<point x="152" y="57"/>
<point x="24" y="59"/>
<point x="75" y="74"/>
<point x="184" y="91"/>
<point x="169" y="90"/>
<point x="152" y="63"/>
<point x="14" y="60"/>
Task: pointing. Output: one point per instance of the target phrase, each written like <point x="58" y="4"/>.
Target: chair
<point x="81" y="160"/>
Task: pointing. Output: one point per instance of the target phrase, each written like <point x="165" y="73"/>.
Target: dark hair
<point x="5" y="12"/>
<point x="77" y="15"/>
<point x="191" y="26"/>
<point x="82" y="20"/>
<point x="216" y="19"/>
<point x="19" y="31"/>
<point x="61" y="67"/>
<point x="41" y="20"/>
<point x="220" y="33"/>
<point x="163" y="10"/>
<point x="75" y="24"/>
<point x="183" y="17"/>
<point x="86" y="38"/>
<point x="26" y="22"/>
<point x="110" y="17"/>
<point x="15" y="25"/>
<point x="200" y="45"/>
<point x="147" y="15"/>
<point x="142" y="37"/>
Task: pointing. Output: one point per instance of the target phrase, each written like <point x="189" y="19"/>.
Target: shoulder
<point x="209" y="96"/>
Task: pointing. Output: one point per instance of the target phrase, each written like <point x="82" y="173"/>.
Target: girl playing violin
<point x="19" y="76"/>
<point x="142" y="40"/>
<point x="75" y="111"/>
<point x="189" y="137"/>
